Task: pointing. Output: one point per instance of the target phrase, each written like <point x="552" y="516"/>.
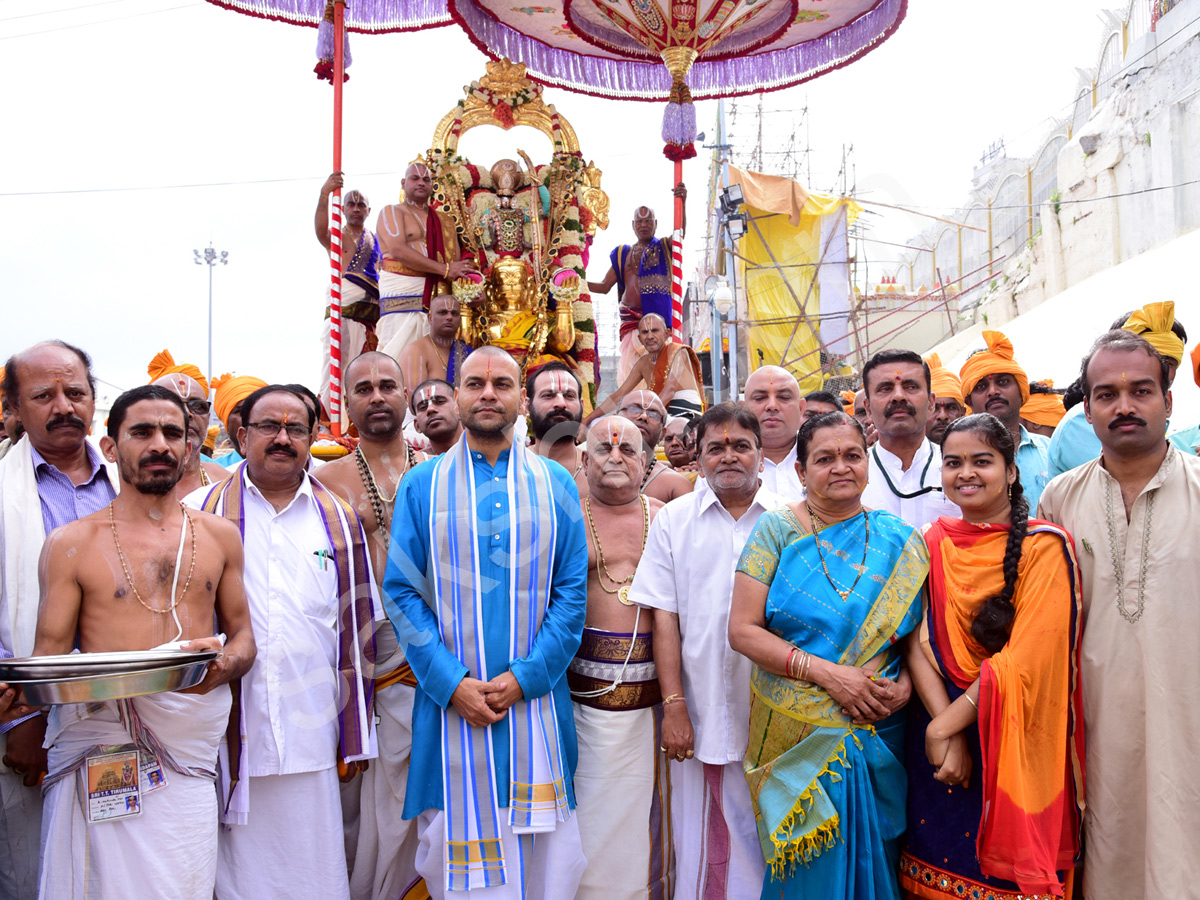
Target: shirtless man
<point x="420" y="259"/>
<point x="647" y="412"/>
<point x="197" y="471"/>
<point x="622" y="824"/>
<point x="642" y="273"/>
<point x="668" y="368"/>
<point x="437" y="415"/>
<point x="438" y="354"/>
<point x="133" y="576"/>
<point x="381" y="846"/>
<point x="556" y="411"/>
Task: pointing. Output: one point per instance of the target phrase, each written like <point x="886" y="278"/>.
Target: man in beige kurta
<point x="1134" y="514"/>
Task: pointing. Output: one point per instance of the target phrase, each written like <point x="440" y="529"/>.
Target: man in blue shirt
<point x="994" y="383"/>
<point x="494" y="745"/>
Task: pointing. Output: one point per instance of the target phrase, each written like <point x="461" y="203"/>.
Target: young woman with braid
<point x="995" y="747"/>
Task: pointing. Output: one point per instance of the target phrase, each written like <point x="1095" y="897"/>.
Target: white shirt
<point x="925" y="472"/>
<point x="687" y="568"/>
<point x="290" y="695"/>
<point x="782" y="479"/>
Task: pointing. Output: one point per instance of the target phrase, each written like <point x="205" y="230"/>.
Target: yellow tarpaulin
<point x="780" y="253"/>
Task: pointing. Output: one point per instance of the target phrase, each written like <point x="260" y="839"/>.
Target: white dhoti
<point x="545" y="866"/>
<point x="615" y="788"/>
<point x="631" y="351"/>
<point x="169" y="851"/>
<point x="381" y="845"/>
<point x="717" y="853"/>
<point x="354" y="336"/>
<point x="402" y="318"/>
<point x="291" y="845"/>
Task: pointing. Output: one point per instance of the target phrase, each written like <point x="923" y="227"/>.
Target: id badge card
<point x="154" y="776"/>
<point x="113" y="782"/>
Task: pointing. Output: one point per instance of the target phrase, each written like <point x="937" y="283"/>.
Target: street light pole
<point x="210" y="258"/>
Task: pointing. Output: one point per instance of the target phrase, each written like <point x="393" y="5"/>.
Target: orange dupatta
<point x="1030" y="703"/>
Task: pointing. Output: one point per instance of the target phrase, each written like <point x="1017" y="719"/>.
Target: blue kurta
<point x="407" y="601"/>
<point x="1033" y="462"/>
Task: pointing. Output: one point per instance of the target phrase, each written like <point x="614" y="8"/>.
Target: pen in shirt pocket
<point x="323" y="556"/>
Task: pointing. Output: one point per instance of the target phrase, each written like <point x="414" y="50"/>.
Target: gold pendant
<point x="623" y="596"/>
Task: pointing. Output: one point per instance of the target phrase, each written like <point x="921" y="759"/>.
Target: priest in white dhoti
<point x="621" y="783"/>
<point x="1134" y="514"/>
<point x="686" y="578"/>
<point x="307" y="702"/>
<point x="486" y="586"/>
<point x="130" y="806"/>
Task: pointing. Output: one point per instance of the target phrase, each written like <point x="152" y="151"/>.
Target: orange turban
<point x="995" y="360"/>
<point x="942" y="381"/>
<point x="848" y="402"/>
<point x="1044" y="409"/>
<point x="1153" y="322"/>
<point x="210" y="440"/>
<point x="1195" y="364"/>
<point x="164" y="364"/>
<point x="229" y="391"/>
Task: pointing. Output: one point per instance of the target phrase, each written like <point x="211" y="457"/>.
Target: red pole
<point x="676" y="325"/>
<point x="335" y="230"/>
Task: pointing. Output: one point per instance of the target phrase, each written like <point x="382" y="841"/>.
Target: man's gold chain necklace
<point x="125" y="567"/>
<point x="622" y="586"/>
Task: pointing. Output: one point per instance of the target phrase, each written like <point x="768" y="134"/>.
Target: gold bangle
<point x="972" y="702"/>
<point x="674" y="698"/>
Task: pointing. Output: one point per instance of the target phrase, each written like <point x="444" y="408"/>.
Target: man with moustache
<point x="439" y="354"/>
<point x="773" y="395"/>
<point x="994" y="383"/>
<point x="381" y="845"/>
<point x="437" y="415"/>
<point x="307" y="701"/>
<point x="554" y="395"/>
<point x="188" y="383"/>
<point x="905" y="467"/>
<point x="1133" y="514"/>
<point x="686" y="577"/>
<point x="50" y="478"/>
<point x="621" y="778"/>
<point x="420" y="261"/>
<point x="487" y="588"/>
<point x="93" y="571"/>
<point x="647" y="412"/>
<point x="360" y="278"/>
<point x="948" y="401"/>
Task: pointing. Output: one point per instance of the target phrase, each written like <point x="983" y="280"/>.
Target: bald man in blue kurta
<point x="488" y="689"/>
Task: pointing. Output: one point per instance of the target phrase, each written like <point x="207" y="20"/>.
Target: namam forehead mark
<point x="427" y="393"/>
<point x="616" y="429"/>
<point x="420" y="170"/>
<point x="560" y="382"/>
<point x="643" y="212"/>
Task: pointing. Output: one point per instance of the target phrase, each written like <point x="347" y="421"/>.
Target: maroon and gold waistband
<point x="601" y="661"/>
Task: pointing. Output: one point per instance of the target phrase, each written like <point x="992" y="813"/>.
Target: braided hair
<point x="993" y="621"/>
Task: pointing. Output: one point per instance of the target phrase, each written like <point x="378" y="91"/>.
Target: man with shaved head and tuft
<point x="487" y="588"/>
<point x="642" y="274"/>
<point x="420" y="261"/>
<point x="188" y="384"/>
<point x="614" y="687"/>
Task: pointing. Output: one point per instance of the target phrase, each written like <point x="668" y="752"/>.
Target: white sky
<point x="99" y="117"/>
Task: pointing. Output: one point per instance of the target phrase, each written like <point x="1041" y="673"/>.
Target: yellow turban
<point x="164" y="364"/>
<point x="230" y="391"/>
<point x="995" y="360"/>
<point x="1044" y="409"/>
<point x="942" y="381"/>
<point x="1153" y="322"/>
<point x="848" y="402"/>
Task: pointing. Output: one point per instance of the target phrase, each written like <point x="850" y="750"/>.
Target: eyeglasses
<point x="634" y="411"/>
<point x="199" y="407"/>
<point x="269" y="429"/>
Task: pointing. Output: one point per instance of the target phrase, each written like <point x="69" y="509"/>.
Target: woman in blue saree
<point x="824" y="591"/>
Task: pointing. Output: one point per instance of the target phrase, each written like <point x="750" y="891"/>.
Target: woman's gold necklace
<point x="862" y="567"/>
<point x="622" y="589"/>
<point x="125" y="567"/>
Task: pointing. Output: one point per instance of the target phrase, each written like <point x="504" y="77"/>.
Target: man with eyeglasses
<point x="306" y="704"/>
<point x="905" y="467"/>
<point x="189" y="385"/>
<point x="647" y="412"/>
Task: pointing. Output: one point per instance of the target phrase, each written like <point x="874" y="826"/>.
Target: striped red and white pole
<point x="335" y="313"/>
<point x="677" y="285"/>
